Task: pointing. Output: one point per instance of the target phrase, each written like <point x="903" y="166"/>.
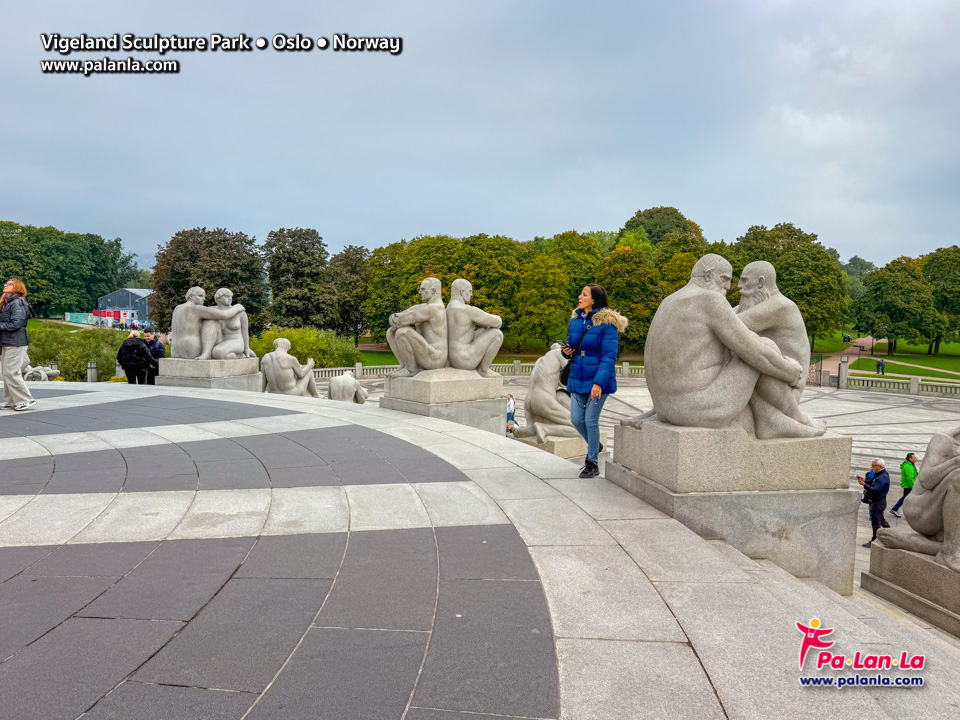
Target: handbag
<point x="565" y="372"/>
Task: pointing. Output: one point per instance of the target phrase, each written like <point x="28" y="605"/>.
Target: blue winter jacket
<point x="877" y="486"/>
<point x="595" y="361"/>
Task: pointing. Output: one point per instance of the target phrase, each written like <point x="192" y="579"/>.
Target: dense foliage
<point x="324" y="346"/>
<point x="71" y="349"/>
<point x="65" y="272"/>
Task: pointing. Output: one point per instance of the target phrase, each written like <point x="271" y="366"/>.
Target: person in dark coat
<point x="14" y="313"/>
<point x="135" y="358"/>
<point x="876" y="486"/>
<point x="157" y="351"/>
<point x="592" y="346"/>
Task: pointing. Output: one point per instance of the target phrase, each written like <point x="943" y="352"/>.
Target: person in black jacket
<point x="135" y="358"/>
<point x="157" y="351"/>
<point x="14" y="313"/>
<point x="876" y="486"/>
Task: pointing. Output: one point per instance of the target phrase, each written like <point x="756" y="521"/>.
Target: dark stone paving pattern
<point x="178" y="624"/>
<point x="345" y="455"/>
<point x="138" y="413"/>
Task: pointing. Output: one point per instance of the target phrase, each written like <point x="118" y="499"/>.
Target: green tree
<point x="579" y="257"/>
<point x="387" y="287"/>
<point x="20" y="259"/>
<point x="899" y="304"/>
<point x="633" y="288"/>
<point x="675" y="273"/>
<point x="492" y="266"/>
<point x="942" y="271"/>
<point x="606" y="240"/>
<point x="349" y="277"/>
<point x="210" y="259"/>
<point x="543" y="299"/>
<point x="657" y="222"/>
<point x="858" y="267"/>
<point x="638" y="241"/>
<point x="431" y="256"/>
<point x="299" y="282"/>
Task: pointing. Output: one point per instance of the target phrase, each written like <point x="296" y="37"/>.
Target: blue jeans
<point x="585" y="416"/>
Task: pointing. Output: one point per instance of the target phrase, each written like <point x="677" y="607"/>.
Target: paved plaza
<point x="184" y="554"/>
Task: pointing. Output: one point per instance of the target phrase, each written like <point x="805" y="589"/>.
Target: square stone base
<point x="809" y="533"/>
<point x="489" y="415"/>
<point x="689" y="459"/>
<point x="252" y="382"/>
<point x="917" y="583"/>
<point x="446" y="385"/>
<point x="572" y="448"/>
<point x="181" y="367"/>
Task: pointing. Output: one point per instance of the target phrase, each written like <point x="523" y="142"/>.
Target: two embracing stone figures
<point x="201" y="332"/>
<point x="430" y="336"/>
<point x="710" y="365"/>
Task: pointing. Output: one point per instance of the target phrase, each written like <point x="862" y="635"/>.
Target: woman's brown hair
<point x="18" y="286"/>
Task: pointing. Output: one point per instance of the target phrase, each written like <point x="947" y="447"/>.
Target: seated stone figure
<point x="190" y="338"/>
<point x="346" y="388"/>
<point x="474" y="335"/>
<point x="701" y="362"/>
<point x="418" y="335"/>
<point x="546" y="407"/>
<point x="767" y="312"/>
<point x="932" y="509"/>
<point x="283" y="373"/>
<point x="227" y="338"/>
<point x="41" y="373"/>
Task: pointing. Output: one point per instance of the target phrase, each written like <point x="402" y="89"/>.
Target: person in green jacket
<point x="908" y="474"/>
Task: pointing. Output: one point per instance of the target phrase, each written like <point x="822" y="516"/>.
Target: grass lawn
<point x="870" y="365"/>
<point x="378" y="357"/>
<point x="904" y="349"/>
<point x="831" y="343"/>
<point x="941" y="362"/>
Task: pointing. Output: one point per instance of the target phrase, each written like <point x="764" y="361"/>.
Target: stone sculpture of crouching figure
<point x="346" y="388"/>
<point x="475" y="337"/>
<point x="546" y="407"/>
<point x="283" y="373"/>
<point x="418" y="335"/>
<point x="933" y="508"/>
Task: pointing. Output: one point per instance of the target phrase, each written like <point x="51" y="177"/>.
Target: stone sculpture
<point x="767" y="312"/>
<point x="346" y="388"/>
<point x="933" y="508"/>
<point x="233" y="333"/>
<point x="283" y="373"/>
<point x="546" y="407"/>
<point x="40" y="373"/>
<point x="474" y="335"/>
<point x="703" y="363"/>
<point x="196" y="328"/>
<point x="418" y="335"/>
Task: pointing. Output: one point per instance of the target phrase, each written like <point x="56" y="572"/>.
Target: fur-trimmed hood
<point x="606" y="316"/>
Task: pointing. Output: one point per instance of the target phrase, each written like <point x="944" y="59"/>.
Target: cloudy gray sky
<point x="520" y="118"/>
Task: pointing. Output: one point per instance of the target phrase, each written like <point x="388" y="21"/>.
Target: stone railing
<point x="912" y="385"/>
<point x="515" y="368"/>
<point x="879" y="384"/>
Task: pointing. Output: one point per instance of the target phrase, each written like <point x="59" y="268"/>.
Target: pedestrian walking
<point x="157" y="351"/>
<point x="135" y="358"/>
<point x="879" y="366"/>
<point x="908" y="476"/>
<point x="511" y="412"/>
<point x="592" y="346"/>
<point x="876" y="486"/>
<point x="883" y="366"/>
<point x="14" y="313"/>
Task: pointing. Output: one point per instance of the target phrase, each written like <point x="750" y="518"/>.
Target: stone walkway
<point x="207" y="554"/>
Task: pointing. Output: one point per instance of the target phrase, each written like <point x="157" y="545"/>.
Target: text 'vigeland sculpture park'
<point x="445" y="355"/>
<point x="726" y="385"/>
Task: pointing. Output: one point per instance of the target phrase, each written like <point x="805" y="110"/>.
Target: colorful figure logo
<point x="812" y="635"/>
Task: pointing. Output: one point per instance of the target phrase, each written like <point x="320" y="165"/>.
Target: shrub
<point x="324" y="346"/>
<point x="71" y="349"/>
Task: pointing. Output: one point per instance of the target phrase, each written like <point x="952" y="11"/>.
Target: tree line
<point x="65" y="271"/>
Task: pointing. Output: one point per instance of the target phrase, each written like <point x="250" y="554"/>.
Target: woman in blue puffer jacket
<point x="592" y="346"/>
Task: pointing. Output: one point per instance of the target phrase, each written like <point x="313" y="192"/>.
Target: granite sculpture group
<point x="283" y="373"/>
<point x="546" y="407"/>
<point x="41" y="373"/>
<point x="710" y="365"/>
<point x="201" y="332"/>
<point x="428" y="336"/>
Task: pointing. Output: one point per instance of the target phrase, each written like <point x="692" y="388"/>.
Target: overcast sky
<point x="518" y="118"/>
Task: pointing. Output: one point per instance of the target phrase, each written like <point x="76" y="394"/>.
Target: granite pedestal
<point x="787" y="501"/>
<point x="241" y="374"/>
<point x="917" y="583"/>
<point x="461" y="396"/>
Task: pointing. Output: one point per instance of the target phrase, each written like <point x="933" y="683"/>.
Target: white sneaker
<point x="25" y="405"/>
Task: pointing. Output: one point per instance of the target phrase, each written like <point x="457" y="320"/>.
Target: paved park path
<point x="207" y="554"/>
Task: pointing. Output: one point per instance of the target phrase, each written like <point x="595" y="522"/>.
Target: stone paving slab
<point x="139" y="701"/>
